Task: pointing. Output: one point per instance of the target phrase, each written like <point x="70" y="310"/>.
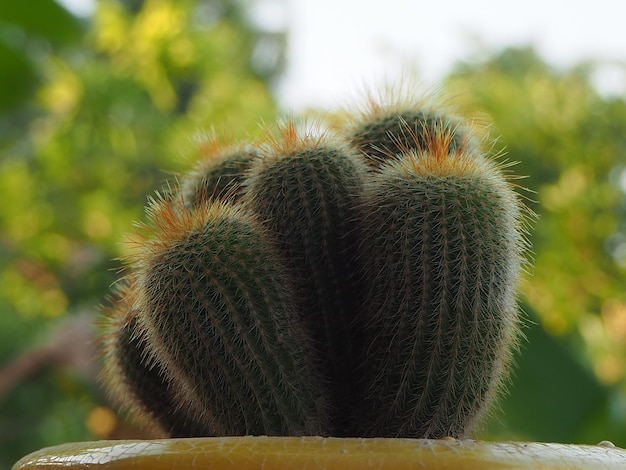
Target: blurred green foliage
<point x="94" y="111"/>
<point x="23" y="37"/>
<point x="92" y="114"/>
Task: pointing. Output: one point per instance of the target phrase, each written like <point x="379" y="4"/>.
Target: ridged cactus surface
<point x="355" y="283"/>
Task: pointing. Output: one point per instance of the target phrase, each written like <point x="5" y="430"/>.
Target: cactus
<point x="306" y="188"/>
<point x="361" y="283"/>
<point x="219" y="315"/>
<point x="442" y="250"/>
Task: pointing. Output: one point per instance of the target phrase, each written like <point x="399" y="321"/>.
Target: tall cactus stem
<point x="305" y="188"/>
<point x="219" y="315"/>
<point x="443" y="245"/>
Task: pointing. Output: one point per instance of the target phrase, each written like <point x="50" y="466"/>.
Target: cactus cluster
<point x="359" y="281"/>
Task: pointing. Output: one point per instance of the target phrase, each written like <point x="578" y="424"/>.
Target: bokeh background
<point x="99" y="105"/>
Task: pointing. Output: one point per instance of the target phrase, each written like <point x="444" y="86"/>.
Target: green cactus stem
<point x="442" y="253"/>
<point x="218" y="312"/>
<point x="137" y="381"/>
<point x="305" y="188"/>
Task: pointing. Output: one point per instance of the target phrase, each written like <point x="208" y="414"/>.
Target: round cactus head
<point x="398" y="123"/>
<point x="218" y="174"/>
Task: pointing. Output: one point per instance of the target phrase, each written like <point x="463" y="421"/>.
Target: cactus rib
<point x="218" y="175"/>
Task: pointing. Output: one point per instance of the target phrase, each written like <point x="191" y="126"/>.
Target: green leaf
<point x="45" y="19"/>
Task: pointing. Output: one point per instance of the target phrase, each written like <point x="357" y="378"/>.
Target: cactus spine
<point x="358" y="284"/>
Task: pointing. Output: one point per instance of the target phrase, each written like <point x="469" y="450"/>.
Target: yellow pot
<point x="278" y="453"/>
